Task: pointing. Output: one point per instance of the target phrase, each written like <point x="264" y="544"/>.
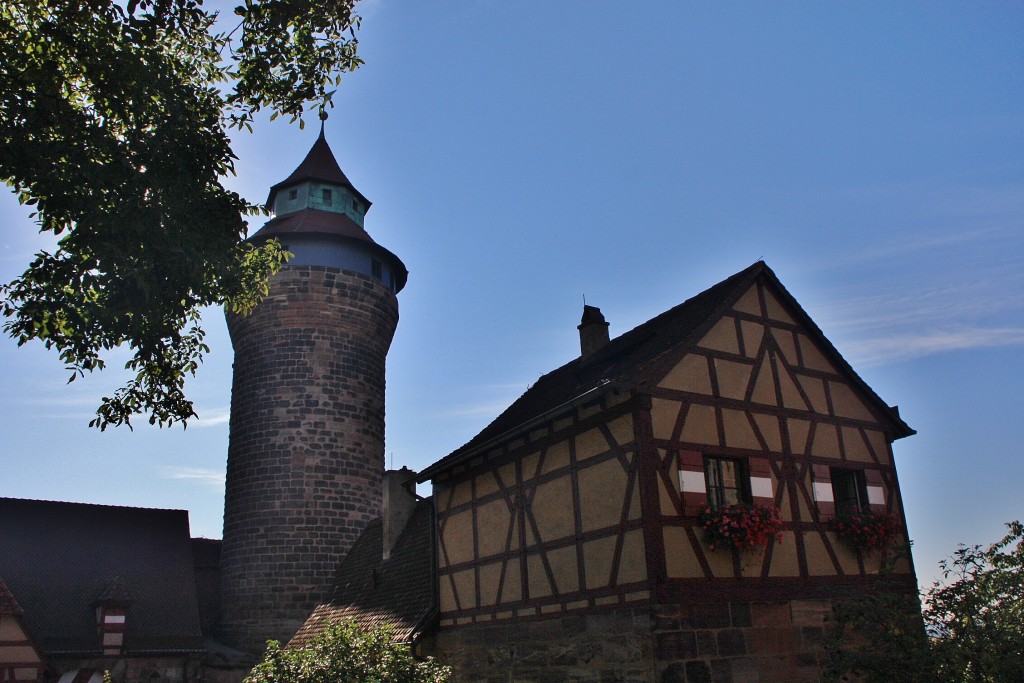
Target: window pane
<point x="849" y="490"/>
<point x="732" y="497"/>
<point x="725" y="482"/>
<point x="729" y="474"/>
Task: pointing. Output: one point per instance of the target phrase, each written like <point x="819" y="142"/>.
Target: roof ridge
<point x="92" y="505"/>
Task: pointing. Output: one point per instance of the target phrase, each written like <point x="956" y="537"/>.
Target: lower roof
<point x="58" y="559"/>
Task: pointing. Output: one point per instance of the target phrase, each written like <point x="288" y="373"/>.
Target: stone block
<point x="745" y="670"/>
<point x="740" y="614"/>
<point x="665" y="617"/>
<point x="810" y="612"/>
<point x="731" y="642"/>
<point x="772" y="614"/>
<point x="674" y="673"/>
<point x="707" y="644"/>
<point x="675" y="646"/>
<point x="698" y="672"/>
<point x="812" y="636"/>
<point x="721" y="671"/>
<point x="711" y="615"/>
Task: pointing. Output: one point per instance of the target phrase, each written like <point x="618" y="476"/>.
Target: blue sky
<point x="521" y="156"/>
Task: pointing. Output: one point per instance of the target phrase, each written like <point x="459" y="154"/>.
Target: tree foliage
<point x="971" y="630"/>
<point x="114" y="122"/>
<point x="977" y="619"/>
<point x="343" y="653"/>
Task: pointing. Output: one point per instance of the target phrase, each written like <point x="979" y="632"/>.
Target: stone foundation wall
<point x="740" y="642"/>
<point x="737" y="642"/>
<point x="606" y="647"/>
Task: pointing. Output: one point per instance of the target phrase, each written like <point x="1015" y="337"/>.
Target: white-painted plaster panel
<point x="876" y="495"/>
<point x="761" y="487"/>
<point x="823" y="492"/>
<point x="691" y="482"/>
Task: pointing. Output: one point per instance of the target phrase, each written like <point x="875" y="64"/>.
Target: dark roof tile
<point x="397" y="592"/>
<point x="58" y="558"/>
<point x="639" y="357"/>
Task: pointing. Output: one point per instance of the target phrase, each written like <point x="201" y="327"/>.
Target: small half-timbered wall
<point x="19" y="658"/>
<point x="546" y="523"/>
<point x="758" y="387"/>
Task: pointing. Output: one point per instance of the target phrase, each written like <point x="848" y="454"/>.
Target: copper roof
<point x="319" y="165"/>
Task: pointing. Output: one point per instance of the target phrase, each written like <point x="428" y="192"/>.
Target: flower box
<point x="741" y="526"/>
<point x="867" y="531"/>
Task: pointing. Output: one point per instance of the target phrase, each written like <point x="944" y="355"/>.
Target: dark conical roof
<point x="319" y="165"/>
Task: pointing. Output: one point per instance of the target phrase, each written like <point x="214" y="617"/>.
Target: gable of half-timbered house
<point x="765" y="395"/>
<point x="20" y="657"/>
<point x="569" y="530"/>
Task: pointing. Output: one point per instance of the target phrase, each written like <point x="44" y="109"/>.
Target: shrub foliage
<point x="344" y="653"/>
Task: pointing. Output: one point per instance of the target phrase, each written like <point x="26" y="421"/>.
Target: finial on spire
<point x="328" y="102"/>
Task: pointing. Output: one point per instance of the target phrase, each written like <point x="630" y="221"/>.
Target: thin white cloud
<point x="899" y="347"/>
<point x="213" y="417"/>
<point x="199" y="475"/>
<point x="929" y="306"/>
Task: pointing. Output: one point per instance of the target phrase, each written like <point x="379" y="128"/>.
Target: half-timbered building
<point x="571" y="530"/>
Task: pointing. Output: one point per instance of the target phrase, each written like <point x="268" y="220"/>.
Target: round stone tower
<point x="306" y="449"/>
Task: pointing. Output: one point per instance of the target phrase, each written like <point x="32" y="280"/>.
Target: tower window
<point x="293" y="194"/>
<point x="327" y="196"/>
<point x="355" y="205"/>
<point x="376" y="269"/>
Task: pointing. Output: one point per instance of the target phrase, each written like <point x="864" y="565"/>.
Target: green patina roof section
<point x="319" y="165"/>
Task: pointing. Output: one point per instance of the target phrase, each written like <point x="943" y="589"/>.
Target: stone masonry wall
<point x="306" y="450"/>
<point x="605" y="647"/>
<point x="738" y="642"/>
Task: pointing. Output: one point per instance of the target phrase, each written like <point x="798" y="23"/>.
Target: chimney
<point x="593" y="331"/>
<point x="399" y="503"/>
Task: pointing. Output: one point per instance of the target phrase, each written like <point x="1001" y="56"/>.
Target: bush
<point x="977" y="621"/>
<point x="344" y="653"/>
<point x="972" y="630"/>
